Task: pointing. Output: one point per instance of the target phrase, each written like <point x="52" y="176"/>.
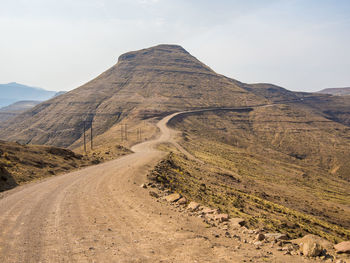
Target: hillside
<point x="336" y="91"/>
<point x="277" y="158"/>
<point x="282" y="168"/>
<point x="20" y="164"/>
<point x="13" y="92"/>
<point x="16" y="108"/>
<point x="143" y="84"/>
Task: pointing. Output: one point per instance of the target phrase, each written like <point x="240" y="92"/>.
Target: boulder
<point x="221" y="217"/>
<point x="208" y="210"/>
<point x="312" y="245"/>
<point x="275" y="236"/>
<point x="210" y="217"/>
<point x="182" y="201"/>
<point x="325" y="244"/>
<point x="260" y="237"/>
<point x="193" y="206"/>
<point x="343" y="247"/>
<point x="153" y="194"/>
<point x="311" y="249"/>
<point x="172" y="197"/>
<point x="237" y="222"/>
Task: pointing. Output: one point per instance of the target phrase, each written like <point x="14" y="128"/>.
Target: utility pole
<point x="121" y="132"/>
<point x="91" y="137"/>
<point x="139" y="132"/>
<point x="126" y="132"/>
<point x="84" y="138"/>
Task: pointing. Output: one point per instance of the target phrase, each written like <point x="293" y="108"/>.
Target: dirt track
<point x="101" y="214"/>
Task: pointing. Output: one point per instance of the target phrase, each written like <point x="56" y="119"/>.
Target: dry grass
<point x="280" y="167"/>
<point x="20" y="164"/>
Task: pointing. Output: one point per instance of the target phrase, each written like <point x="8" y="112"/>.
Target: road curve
<point x="100" y="214"/>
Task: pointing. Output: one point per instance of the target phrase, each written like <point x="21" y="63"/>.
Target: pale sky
<point x="61" y="44"/>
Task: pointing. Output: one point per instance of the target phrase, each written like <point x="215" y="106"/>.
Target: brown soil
<point x="21" y="164"/>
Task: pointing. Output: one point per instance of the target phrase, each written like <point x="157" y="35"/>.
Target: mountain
<point x="12" y="92"/>
<point x="281" y="161"/>
<point x="16" y="108"/>
<point x="336" y="91"/>
<point x="143" y="84"/>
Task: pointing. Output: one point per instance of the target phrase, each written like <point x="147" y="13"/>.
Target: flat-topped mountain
<point x="142" y="84"/>
<point x="147" y="83"/>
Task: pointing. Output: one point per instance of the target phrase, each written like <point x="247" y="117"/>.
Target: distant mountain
<point x="336" y="91"/>
<point x="16" y="108"/>
<point x="13" y="92"/>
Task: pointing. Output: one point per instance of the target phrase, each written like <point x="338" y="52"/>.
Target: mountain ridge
<point x="144" y="83"/>
<point x="13" y="92"/>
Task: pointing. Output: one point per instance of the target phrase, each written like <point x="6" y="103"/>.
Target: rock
<point x="289" y="248"/>
<point x="172" y="197"/>
<point x="208" y="210"/>
<point x="260" y="237"/>
<point x="343" y="247"/>
<point x="323" y="242"/>
<point x="193" y="206"/>
<point x="275" y="236"/>
<point x="222" y="217"/>
<point x="143" y="186"/>
<point x="311" y="249"/>
<point x="182" y="201"/>
<point x="237" y="222"/>
<point x="153" y="194"/>
<point x="237" y="237"/>
<point x="257" y="243"/>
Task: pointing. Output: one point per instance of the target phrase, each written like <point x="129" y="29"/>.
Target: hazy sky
<point x="61" y="44"/>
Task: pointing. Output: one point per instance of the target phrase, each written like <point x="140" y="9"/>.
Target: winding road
<point x="101" y="214"/>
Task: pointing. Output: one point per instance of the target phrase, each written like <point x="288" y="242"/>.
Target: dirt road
<point x="101" y="214"/>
